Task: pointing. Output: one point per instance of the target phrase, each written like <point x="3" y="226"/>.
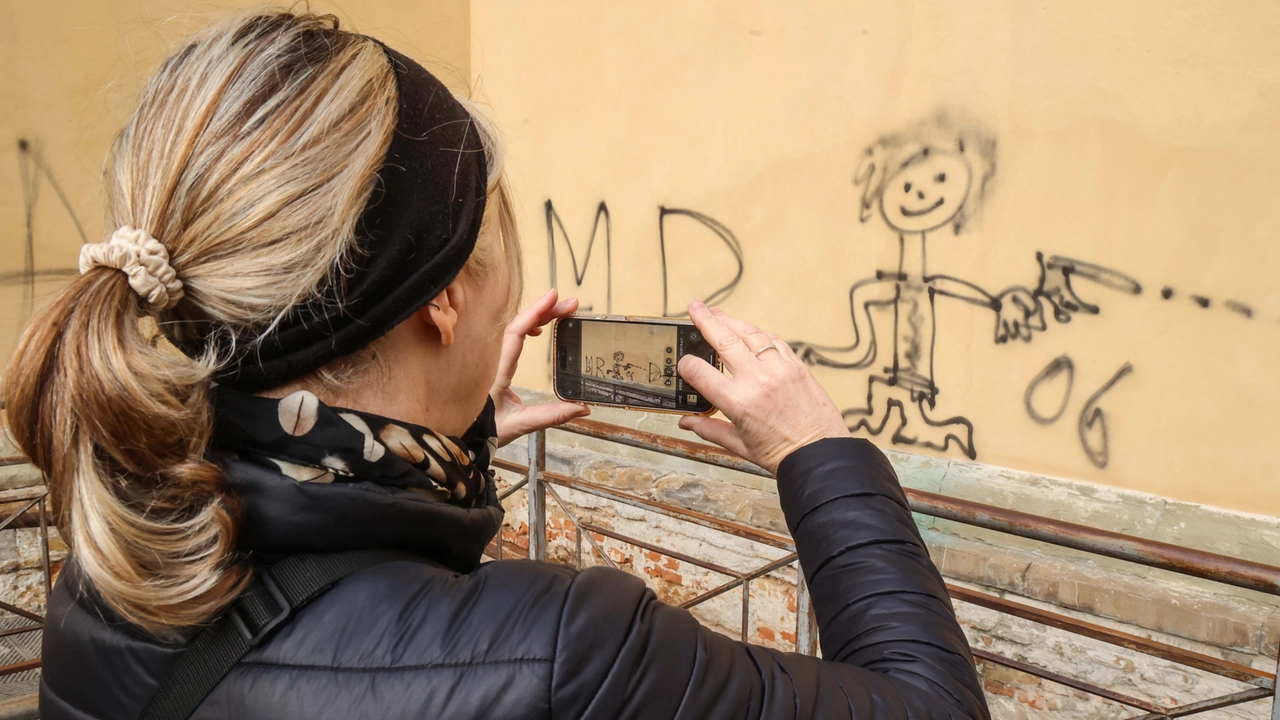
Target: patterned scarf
<point x="313" y="443"/>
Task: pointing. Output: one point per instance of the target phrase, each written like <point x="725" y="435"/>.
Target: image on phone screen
<point x="628" y="363"/>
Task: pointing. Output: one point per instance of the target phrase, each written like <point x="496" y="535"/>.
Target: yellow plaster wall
<point x="70" y="72"/>
<point x="1141" y="137"/>
<point x="1137" y="137"/>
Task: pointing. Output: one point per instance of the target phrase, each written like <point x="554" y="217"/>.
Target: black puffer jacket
<point x="519" y="639"/>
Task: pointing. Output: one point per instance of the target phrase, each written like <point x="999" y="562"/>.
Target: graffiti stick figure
<point x="919" y="184"/>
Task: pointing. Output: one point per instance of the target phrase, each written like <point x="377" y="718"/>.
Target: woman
<point x="314" y="264"/>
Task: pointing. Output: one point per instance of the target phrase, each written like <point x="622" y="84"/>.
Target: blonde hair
<point x="497" y="249"/>
<point x="250" y="156"/>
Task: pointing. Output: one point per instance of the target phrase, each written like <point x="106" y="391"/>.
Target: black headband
<point x="414" y="236"/>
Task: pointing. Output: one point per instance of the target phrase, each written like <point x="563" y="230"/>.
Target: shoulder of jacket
<point x="618" y="641"/>
<point x="502" y="611"/>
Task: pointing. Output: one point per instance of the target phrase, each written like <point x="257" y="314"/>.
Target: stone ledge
<point x="1243" y="535"/>
<point x="1017" y="695"/>
<point x="15" y="477"/>
<point x="1245" y="628"/>
<point x="1239" y="629"/>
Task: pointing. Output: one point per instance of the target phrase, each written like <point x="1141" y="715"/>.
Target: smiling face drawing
<point x="927" y="191"/>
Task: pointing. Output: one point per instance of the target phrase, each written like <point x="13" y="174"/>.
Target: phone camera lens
<point x="695" y="336"/>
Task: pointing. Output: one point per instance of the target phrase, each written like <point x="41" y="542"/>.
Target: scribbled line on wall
<point x="31" y="168"/>
<point x="673" y="298"/>
<point x="1235" y="306"/>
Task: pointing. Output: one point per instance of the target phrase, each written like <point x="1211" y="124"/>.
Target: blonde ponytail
<point x="119" y="426"/>
<point x="250" y="157"/>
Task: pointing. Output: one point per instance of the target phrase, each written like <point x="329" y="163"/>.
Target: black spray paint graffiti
<point x="580" y="271"/>
<point x="1243" y="310"/>
<point x="1059" y="367"/>
<point x="933" y="179"/>
<point x="1092" y="425"/>
<point x="677" y="290"/>
<point x="1098" y="448"/>
<point x="1056" y="289"/>
<point x="720" y="231"/>
<point x="31" y="168"/>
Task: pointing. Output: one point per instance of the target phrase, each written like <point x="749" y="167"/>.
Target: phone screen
<point x="629" y="363"/>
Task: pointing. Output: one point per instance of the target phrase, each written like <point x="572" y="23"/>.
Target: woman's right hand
<point x="774" y="404"/>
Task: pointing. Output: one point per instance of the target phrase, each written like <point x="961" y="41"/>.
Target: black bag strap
<point x="270" y="601"/>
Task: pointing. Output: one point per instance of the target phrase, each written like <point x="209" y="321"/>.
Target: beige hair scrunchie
<point x="143" y="259"/>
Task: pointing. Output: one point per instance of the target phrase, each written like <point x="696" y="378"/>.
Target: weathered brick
<point x="10" y="560"/>
<point x="13" y="477"/>
<point x="1269" y="639"/>
<point x="24" y="588"/>
<point x="1222" y="621"/>
<point x="991" y="672"/>
<point x="978" y="562"/>
<point x="600" y="473"/>
<point x="763" y="511"/>
<point x="704" y="496"/>
<point x="1097" y="506"/>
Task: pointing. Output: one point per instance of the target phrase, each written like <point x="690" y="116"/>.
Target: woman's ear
<point x="442" y="313"/>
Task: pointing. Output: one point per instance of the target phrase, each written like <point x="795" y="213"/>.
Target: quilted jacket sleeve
<point x="892" y="646"/>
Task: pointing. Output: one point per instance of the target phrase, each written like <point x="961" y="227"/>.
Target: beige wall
<point x="69" y="75"/>
<point x="1138" y="137"/>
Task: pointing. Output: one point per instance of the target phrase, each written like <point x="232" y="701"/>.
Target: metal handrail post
<point x="537" y="496"/>
<point x="1275" y="694"/>
<point x="44" y="552"/>
<point x="806" y="637"/>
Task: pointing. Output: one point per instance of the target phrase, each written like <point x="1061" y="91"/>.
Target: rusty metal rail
<point x="1150" y="553"/>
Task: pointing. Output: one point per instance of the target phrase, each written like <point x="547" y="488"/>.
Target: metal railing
<point x="1150" y="553"/>
<point x="31" y="499"/>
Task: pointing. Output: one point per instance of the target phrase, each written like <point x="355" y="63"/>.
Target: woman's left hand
<point x="514" y="418"/>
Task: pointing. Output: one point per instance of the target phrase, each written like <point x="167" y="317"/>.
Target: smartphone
<point x="628" y="362"/>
